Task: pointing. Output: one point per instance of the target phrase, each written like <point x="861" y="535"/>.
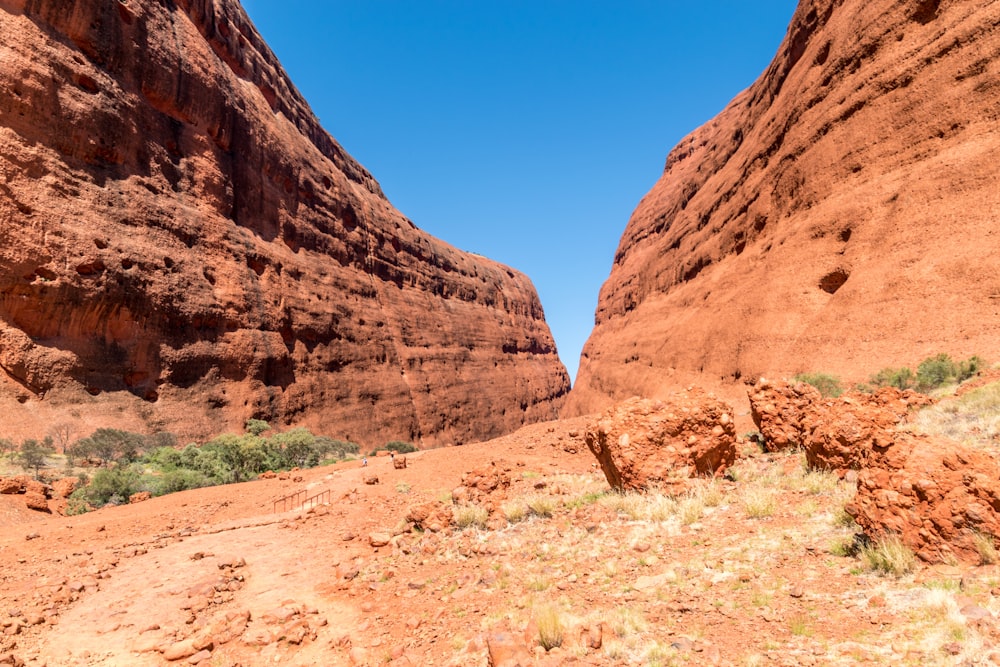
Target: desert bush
<point x="828" y="385"/>
<point x="515" y="511"/>
<point x="111" y="485"/>
<point x="339" y="449"/>
<point x="972" y="418"/>
<point x="759" y="502"/>
<point x="178" y="480"/>
<point x="900" y="378"/>
<point x="256" y="426"/>
<point x="400" y="447"/>
<point x="939" y="370"/>
<point x="541" y="506"/>
<point x="986" y="548"/>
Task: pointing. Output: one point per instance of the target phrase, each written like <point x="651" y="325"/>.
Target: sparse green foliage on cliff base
<point x="932" y="373"/>
<point x="225" y="459"/>
<point x="828" y="385"/>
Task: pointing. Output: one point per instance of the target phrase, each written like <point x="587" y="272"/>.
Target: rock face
<point x="183" y="247"/>
<point x="840" y="215"/>
<point x="938" y="496"/>
<point x="643" y="443"/>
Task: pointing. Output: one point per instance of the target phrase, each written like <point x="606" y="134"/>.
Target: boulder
<point x="12" y="485"/>
<point x="139" y="497"/>
<point x="778" y="410"/>
<point x="644" y="443"/>
<point x="486" y="485"/>
<point x="938" y="496"/>
<point x="839" y="433"/>
<point x="63" y="488"/>
<point x="35" y="486"/>
<point x="433" y="516"/>
<point x="399" y="462"/>
<point x="36" y="501"/>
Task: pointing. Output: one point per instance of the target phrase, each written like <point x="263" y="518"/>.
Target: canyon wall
<point x="183" y="247"/>
<point x="841" y="215"/>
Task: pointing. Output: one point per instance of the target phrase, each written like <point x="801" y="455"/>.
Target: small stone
<point x="200" y="656"/>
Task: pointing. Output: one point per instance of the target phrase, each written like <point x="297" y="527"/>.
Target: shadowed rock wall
<point x="183" y="247"/>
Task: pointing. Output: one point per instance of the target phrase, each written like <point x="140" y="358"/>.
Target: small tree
<point x="256" y="426"/>
<point x="33" y="453"/>
<point x="109" y="445"/>
<point x="7" y="447"/>
<point x="62" y="435"/>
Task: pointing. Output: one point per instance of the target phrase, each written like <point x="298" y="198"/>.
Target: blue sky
<point x="526" y="131"/>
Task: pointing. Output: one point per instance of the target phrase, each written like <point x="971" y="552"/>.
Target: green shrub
<point x="340" y="449"/>
<point x="33" y="453"/>
<point x="828" y="385"/>
<point x="900" y="378"/>
<point x="178" y="480"/>
<point x="256" y="426"/>
<point x="936" y="371"/>
<point x="113" y="486"/>
<point x="400" y="447"/>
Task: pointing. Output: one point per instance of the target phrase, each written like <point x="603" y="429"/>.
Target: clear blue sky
<point x="523" y="130"/>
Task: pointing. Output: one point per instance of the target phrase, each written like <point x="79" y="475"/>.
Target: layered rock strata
<point x="839" y="215"/>
<point x="183" y="247"/>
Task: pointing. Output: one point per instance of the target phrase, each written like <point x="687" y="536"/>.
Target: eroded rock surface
<point x="838" y="216"/>
<point x="643" y="443"/>
<point x="938" y="496"/>
<point x="183" y="247"/>
<point x="778" y="410"/>
<point x="835" y="433"/>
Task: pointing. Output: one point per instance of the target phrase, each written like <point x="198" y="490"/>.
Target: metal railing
<point x="301" y="499"/>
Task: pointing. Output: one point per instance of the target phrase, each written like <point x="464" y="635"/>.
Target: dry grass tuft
<point x="550" y="627"/>
<point x="759" y="502"/>
<point x="986" y="548"/>
<point x="470" y="516"/>
<point x="973" y="418"/>
<point x="888" y="555"/>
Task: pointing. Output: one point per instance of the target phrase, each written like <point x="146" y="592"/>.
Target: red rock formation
<point x="835" y="433"/>
<point x="183" y="247"/>
<point x="641" y="444"/>
<point x="779" y="409"/>
<point x="839" y="215"/>
<point x="938" y="496"/>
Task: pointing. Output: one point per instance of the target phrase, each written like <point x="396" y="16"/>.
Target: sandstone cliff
<point x="183" y="247"/>
<point x="840" y="215"/>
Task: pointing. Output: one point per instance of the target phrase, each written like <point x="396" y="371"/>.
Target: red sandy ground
<point x="111" y="586"/>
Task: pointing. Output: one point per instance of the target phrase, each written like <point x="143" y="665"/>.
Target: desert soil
<point x="741" y="571"/>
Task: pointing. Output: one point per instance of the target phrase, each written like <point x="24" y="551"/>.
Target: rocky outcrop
<point x="839" y="215"/>
<point x="939" y="497"/>
<point x="183" y="247"/>
<point x="643" y="444"/>
<point x="835" y="433"/>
